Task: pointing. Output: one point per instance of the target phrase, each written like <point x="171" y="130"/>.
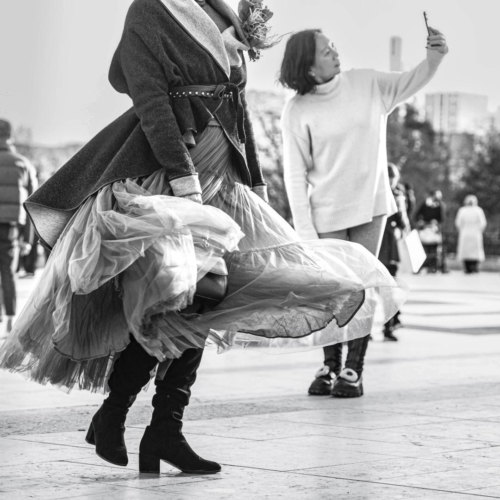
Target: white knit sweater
<point x="335" y="156"/>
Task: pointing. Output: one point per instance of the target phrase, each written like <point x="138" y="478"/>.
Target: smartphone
<point x="427" y="24"/>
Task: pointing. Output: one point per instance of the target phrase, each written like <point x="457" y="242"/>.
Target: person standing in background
<point x="397" y="225"/>
<point x="430" y="219"/>
<point x="335" y="161"/>
<point x="17" y="181"/>
<point x="471" y="223"/>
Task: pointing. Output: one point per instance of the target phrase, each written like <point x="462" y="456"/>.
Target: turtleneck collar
<point x="328" y="87"/>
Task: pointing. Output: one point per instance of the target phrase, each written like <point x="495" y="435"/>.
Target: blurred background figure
<point x="410" y="200"/>
<point x="430" y="220"/>
<point x="397" y="225"/>
<point x="28" y="262"/>
<point x="17" y="182"/>
<point x="471" y="223"/>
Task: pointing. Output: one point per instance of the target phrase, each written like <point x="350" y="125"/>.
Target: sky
<point x="55" y="54"/>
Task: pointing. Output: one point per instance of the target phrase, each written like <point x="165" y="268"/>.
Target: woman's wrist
<point x="261" y="192"/>
<point x="186" y="186"/>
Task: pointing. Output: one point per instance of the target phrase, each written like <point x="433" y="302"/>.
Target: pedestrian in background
<point x="471" y="223"/>
<point x="430" y="218"/>
<point x="397" y="225"/>
<point x="17" y="181"/>
<point x="410" y="200"/>
<point x="335" y="161"/>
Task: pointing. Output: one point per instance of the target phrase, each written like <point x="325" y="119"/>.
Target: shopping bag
<point x="411" y="253"/>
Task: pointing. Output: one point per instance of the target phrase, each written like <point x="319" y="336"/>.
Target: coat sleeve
<point x="148" y="87"/>
<point x="458" y="219"/>
<point x="482" y="219"/>
<point x="296" y="162"/>
<point x="397" y="87"/>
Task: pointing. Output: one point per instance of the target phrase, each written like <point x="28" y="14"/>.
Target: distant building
<point x="396" y="54"/>
<point x="457" y="112"/>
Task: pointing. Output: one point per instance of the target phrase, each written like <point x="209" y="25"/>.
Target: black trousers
<point x="393" y="271"/>
<point x="9" y="251"/>
<point x="471" y="266"/>
<point x="28" y="262"/>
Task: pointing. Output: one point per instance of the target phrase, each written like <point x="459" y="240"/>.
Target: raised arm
<point x="398" y="87"/>
<point x="296" y="162"/>
<point x="148" y="87"/>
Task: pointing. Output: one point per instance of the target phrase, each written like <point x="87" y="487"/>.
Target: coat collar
<point x="199" y="25"/>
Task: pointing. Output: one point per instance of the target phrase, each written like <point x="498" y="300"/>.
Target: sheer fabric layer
<point x="130" y="258"/>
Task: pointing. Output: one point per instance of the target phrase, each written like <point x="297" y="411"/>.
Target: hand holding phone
<point x="435" y="39"/>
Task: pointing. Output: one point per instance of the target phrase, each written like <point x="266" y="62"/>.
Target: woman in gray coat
<point x="168" y="196"/>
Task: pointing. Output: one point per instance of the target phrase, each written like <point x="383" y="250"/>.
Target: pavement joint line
<point x="328" y="436"/>
<point x="451" y="492"/>
<point x="444" y="421"/>
<point x="19" y="438"/>
<point x="296" y="472"/>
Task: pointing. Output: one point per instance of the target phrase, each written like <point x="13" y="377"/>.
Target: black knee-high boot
<point x="163" y="438"/>
<point x="131" y="373"/>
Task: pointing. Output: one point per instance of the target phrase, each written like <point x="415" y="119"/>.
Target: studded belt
<point x="217" y="92"/>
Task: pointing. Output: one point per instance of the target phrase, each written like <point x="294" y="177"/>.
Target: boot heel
<point x="149" y="464"/>
<point x="90" y="438"/>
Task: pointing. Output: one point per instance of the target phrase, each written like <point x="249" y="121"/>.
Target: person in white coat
<point x="471" y="223"/>
<point x="335" y="160"/>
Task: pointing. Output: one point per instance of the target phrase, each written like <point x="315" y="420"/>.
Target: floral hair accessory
<point x="254" y="17"/>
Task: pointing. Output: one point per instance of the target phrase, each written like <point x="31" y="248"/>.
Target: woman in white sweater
<point x="335" y="160"/>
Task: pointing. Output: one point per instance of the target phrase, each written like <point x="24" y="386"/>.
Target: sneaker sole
<point x="348" y="393"/>
<point x="319" y="393"/>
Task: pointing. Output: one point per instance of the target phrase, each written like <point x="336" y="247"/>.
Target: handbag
<point x="212" y="288"/>
<point x="411" y="253"/>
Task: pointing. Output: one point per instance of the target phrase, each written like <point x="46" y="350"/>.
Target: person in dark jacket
<point x="430" y="219"/>
<point x="17" y="181"/>
<point x="165" y="198"/>
<point x="396" y="226"/>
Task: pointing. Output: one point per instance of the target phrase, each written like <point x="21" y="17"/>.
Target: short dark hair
<point x="300" y="53"/>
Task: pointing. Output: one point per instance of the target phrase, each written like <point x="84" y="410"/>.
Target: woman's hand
<point x="437" y="41"/>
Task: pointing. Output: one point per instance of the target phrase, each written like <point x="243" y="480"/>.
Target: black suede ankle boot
<point x="107" y="430"/>
<point x="163" y="439"/>
<point x="131" y="373"/>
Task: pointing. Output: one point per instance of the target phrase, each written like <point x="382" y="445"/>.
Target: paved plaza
<point x="428" y="426"/>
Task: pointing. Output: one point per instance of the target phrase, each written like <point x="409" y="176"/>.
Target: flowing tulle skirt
<point x="129" y="260"/>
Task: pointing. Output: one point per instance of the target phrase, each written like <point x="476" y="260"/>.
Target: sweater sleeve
<point x="148" y="88"/>
<point x="296" y="162"/>
<point x="398" y="87"/>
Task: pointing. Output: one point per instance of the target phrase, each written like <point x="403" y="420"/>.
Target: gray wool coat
<point x="165" y="44"/>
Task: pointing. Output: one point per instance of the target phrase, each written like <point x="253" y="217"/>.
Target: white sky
<point x="55" y="54"/>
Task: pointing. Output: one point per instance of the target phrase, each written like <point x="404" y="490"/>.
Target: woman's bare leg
<point x="332" y="365"/>
<point x="370" y="234"/>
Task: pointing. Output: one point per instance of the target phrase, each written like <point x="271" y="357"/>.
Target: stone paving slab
<point x="427" y="427"/>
